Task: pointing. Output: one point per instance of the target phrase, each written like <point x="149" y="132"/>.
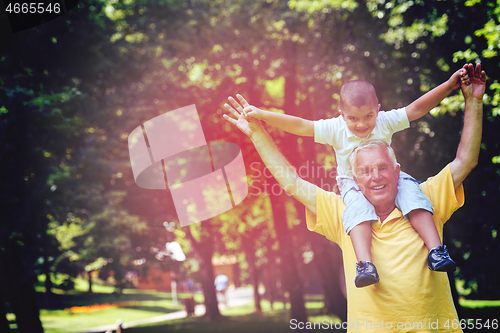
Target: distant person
<point x="221" y="284"/>
<point x="361" y="120"/>
<point x="189" y="305"/>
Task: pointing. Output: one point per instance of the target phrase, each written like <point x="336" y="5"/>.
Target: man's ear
<point x="398" y="169"/>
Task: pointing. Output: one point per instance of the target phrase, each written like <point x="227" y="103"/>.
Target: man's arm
<point x="285" y="122"/>
<point x="470" y="142"/>
<point x="283" y="172"/>
<point x="424" y="104"/>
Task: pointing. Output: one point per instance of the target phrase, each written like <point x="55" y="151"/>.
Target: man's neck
<point x="384" y="212"/>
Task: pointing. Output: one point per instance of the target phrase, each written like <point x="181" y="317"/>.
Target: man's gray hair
<point x="371" y="145"/>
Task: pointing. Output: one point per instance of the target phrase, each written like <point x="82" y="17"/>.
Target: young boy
<point x="362" y="121"/>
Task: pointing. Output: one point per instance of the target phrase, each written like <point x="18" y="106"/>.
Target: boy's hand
<point x="475" y="86"/>
<point x="457" y="78"/>
<point x="250" y="110"/>
<point x="248" y="126"/>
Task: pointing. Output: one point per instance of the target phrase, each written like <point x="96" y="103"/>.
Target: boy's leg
<point x="417" y="207"/>
<point x="361" y="238"/>
<point x="422" y="222"/>
<point x="357" y="217"/>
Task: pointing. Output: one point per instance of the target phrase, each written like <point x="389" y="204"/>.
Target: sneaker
<point x="366" y="274"/>
<point x="439" y="260"/>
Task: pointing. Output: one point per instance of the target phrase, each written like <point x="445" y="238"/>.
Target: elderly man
<point x="409" y="297"/>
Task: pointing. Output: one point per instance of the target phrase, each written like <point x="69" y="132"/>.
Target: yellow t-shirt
<point x="409" y="296"/>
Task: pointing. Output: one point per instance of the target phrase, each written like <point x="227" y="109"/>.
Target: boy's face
<point x="361" y="121"/>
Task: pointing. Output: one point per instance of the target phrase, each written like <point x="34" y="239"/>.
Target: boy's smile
<point x="361" y="121"/>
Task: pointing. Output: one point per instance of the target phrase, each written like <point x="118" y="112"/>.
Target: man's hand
<point x="474" y="88"/>
<point x="248" y="126"/>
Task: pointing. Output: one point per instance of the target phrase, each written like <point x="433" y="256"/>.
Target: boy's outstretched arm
<point x="431" y="99"/>
<point x="283" y="172"/>
<point x="287" y="123"/>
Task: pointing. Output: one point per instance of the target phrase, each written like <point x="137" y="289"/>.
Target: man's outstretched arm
<point x="283" y="172"/>
<point x="470" y="142"/>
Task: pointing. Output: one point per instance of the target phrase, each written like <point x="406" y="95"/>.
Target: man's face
<point x="361" y="121"/>
<point x="377" y="177"/>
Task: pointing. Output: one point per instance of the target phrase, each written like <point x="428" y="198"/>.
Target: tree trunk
<point x="89" y="275"/>
<point x="256" y="295"/>
<point x="211" y="304"/>
<point x="205" y="250"/>
<point x="328" y="260"/>
<point x="48" y="283"/>
<point x="251" y="258"/>
<point x="4" y="323"/>
<point x="290" y="275"/>
<point x="19" y="290"/>
<point x="270" y="277"/>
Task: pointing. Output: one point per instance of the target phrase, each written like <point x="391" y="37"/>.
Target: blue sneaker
<point x="366" y="274"/>
<point x="439" y="260"/>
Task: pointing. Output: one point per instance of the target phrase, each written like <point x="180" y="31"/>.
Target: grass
<point x="131" y="305"/>
<point x="141" y="304"/>
<point x="243" y="319"/>
<point x="152" y="303"/>
<point x="474" y="304"/>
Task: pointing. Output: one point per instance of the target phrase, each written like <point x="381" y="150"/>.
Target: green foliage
<point x="324" y="6"/>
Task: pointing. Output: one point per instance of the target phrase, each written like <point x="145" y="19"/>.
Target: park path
<point x="236" y="297"/>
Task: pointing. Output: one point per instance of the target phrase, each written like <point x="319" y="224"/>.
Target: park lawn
<point x="58" y="321"/>
<point x="132" y="304"/>
<point x="243" y="319"/>
<point x="140" y="304"/>
<point x="474" y="304"/>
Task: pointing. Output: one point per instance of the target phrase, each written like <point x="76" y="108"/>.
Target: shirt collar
<point x="396" y="214"/>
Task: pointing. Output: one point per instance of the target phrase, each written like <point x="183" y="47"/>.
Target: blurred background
<point x="77" y="231"/>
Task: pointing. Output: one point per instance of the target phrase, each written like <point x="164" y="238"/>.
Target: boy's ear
<point x="341" y="114"/>
<point x="378" y="108"/>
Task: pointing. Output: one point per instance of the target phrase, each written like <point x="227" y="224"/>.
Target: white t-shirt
<point x="334" y="132"/>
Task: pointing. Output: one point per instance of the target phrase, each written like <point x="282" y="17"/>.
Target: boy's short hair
<point x="357" y="93"/>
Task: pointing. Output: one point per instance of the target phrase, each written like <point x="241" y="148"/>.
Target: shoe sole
<point x="364" y="282"/>
<point x="445" y="268"/>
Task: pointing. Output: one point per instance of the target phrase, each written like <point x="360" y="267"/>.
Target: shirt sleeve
<point x="444" y="198"/>
<point x="325" y="130"/>
<point x="394" y="120"/>
<point x="328" y="218"/>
